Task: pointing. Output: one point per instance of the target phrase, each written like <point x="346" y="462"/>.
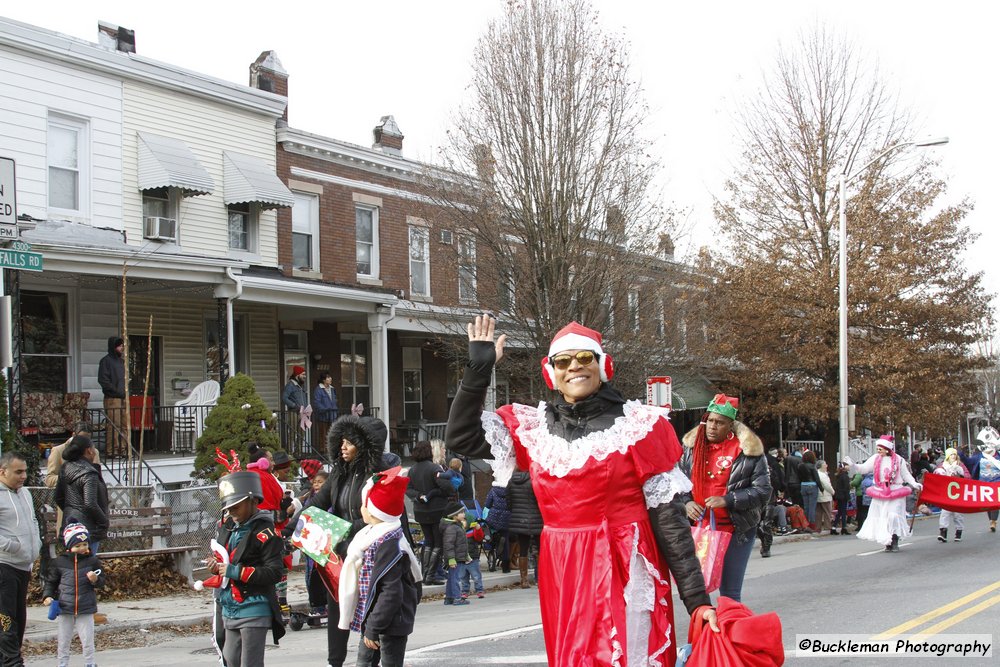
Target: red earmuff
<point x="548" y="373"/>
<point x="607" y="367"/>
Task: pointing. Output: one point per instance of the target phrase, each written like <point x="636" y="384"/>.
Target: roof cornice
<point x="81" y="53"/>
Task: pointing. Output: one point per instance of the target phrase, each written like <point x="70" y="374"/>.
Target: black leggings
<point x="433" y="537"/>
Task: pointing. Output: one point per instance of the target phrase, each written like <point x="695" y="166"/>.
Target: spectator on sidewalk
<point x="809" y="486"/>
<point x="20" y="544"/>
<point x="525" y="521"/>
<point x="324" y="403"/>
<point x="430" y="490"/>
<point x="379" y="583"/>
<point x="81" y="492"/>
<point x="456" y="550"/>
<point x="111" y="377"/>
<point x="496" y="512"/>
<point x="842" y="496"/>
<point x="824" y="501"/>
<point x="765" y="529"/>
<point x="71" y="585"/>
<point x="471" y="575"/>
<point x="793" y="468"/>
<point x="295" y="399"/>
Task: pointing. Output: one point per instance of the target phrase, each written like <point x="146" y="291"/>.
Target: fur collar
<point x="749" y="442"/>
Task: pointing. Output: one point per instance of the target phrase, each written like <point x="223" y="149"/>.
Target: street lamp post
<point x="844" y="180"/>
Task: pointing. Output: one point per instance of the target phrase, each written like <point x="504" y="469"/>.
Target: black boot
<point x="765" y="553"/>
<point x="429" y="578"/>
<point x="894" y="547"/>
<point x="942" y="534"/>
<point x="958" y="536"/>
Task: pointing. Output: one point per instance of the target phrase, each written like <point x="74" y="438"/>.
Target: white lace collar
<point x="559" y="457"/>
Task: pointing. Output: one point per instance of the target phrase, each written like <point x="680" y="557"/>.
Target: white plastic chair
<point x="189" y="422"/>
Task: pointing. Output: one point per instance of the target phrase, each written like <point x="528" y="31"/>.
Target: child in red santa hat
<point x="380" y="579"/>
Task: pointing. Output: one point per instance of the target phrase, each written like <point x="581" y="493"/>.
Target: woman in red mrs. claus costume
<point x="605" y="475"/>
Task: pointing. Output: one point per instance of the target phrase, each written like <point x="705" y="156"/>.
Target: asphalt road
<point x="829" y="585"/>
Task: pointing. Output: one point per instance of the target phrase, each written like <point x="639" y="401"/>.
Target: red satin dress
<point x="603" y="586"/>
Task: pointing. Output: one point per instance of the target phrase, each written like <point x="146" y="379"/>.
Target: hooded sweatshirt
<point x="111" y="371"/>
<point x="19" y="539"/>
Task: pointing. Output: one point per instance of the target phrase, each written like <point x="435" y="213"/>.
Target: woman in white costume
<point x="886" y="521"/>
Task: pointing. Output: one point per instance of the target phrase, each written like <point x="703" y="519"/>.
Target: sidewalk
<point x="196" y="607"/>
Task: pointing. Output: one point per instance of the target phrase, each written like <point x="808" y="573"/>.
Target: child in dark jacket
<point x="470" y="574"/>
<point x="842" y="493"/>
<point x="456" y="550"/>
<point x="379" y="588"/>
<point x="70" y="586"/>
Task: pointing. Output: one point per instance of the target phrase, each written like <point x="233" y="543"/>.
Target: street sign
<point x="20" y="257"/>
<point x="8" y="199"/>
<point x="658" y="391"/>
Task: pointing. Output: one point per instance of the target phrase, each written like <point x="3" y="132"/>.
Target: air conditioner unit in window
<point x="446" y="237"/>
<point x="160" y="229"/>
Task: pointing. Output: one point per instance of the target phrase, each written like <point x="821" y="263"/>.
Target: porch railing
<point x="795" y="445"/>
<point x="161" y="429"/>
<point x="309" y="443"/>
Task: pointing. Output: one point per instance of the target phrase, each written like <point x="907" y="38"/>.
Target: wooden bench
<point x="136" y="522"/>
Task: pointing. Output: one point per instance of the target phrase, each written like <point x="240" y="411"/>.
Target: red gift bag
<point x="710" y="547"/>
<point x="329" y="574"/>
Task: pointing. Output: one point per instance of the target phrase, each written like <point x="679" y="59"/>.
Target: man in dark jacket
<point x="249" y="601"/>
<point x="793" y="476"/>
<point x="111" y="377"/>
<point x="765" y="529"/>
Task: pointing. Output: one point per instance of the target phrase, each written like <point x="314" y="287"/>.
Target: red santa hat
<point x="575" y="336"/>
<point x="383" y="494"/>
<point x="298" y="370"/>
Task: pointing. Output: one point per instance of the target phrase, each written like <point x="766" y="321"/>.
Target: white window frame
<point x="465" y="246"/>
<point x="252" y="219"/>
<point x="421" y="265"/>
<point x="82" y="129"/>
<point x="241" y="341"/>
<point x="633" y="309"/>
<point x="374" y="269"/>
<point x="310" y="200"/>
<point x="507" y="296"/>
<point x="413" y="363"/>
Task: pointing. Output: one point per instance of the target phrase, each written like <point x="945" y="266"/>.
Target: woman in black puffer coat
<point x="525" y="525"/>
<point x="355" y="446"/>
<point x="429" y="490"/>
<point x="81" y="493"/>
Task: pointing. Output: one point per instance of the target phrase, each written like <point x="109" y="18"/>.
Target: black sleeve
<point x="464" y="433"/>
<point x="685" y="466"/>
<point x="90" y="501"/>
<point x="51" y="588"/>
<point x="269" y="568"/>
<point x="673" y="535"/>
<point x="759" y="491"/>
<point x="388" y="600"/>
<point x="104" y="378"/>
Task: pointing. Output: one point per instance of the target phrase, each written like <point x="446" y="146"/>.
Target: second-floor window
<point x="66" y="155"/>
<point x="366" y="234"/>
<point x="305" y="232"/>
<point x="420" y="269"/>
<point x="633" y="310"/>
<point x="241" y="232"/>
<point x="156" y="203"/>
<point x="466" y="269"/>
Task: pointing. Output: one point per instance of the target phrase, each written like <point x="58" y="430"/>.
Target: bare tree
<point x="550" y="176"/>
<point x="913" y="304"/>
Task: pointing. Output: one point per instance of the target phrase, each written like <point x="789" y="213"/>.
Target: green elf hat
<point x="727" y="406"/>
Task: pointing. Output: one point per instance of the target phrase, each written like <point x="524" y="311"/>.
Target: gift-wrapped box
<point x="318" y="532"/>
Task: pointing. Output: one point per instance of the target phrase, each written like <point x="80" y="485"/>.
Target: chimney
<point x="666" y="246"/>
<point x="115" y="38"/>
<point x="388" y="138"/>
<point x="266" y="73"/>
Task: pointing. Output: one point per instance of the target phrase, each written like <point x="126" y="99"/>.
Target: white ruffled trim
<point x="503" y="460"/>
<point x="559" y="457"/>
<point x="640" y="604"/>
<point x="661" y="489"/>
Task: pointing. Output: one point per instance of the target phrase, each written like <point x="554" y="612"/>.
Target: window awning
<point x="165" y="162"/>
<point x="250" y="179"/>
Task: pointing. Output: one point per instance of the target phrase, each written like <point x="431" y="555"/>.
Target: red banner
<point x="960" y="495"/>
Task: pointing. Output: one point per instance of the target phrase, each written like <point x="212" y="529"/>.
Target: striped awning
<point x="165" y="162"/>
<point x="250" y="179"/>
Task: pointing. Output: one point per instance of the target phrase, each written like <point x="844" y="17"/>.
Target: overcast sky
<point x="350" y="63"/>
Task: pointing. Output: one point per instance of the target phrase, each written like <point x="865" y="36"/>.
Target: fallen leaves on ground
<point x="121" y="639"/>
<point x="135" y="578"/>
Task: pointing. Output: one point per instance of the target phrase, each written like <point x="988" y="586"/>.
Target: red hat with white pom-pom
<point x="383" y="494"/>
<point x="575" y="336"/>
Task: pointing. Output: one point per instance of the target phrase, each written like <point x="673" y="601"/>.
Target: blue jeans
<point x="391" y="647"/>
<point x="470" y="571"/>
<point x="810" y="492"/>
<point x="452" y="591"/>
<point x="734" y="566"/>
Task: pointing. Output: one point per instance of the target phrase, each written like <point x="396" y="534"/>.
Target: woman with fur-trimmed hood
<point x="726" y="463"/>
<point x="355" y="446"/>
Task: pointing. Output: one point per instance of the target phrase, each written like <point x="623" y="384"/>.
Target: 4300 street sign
<point x="19" y="256"/>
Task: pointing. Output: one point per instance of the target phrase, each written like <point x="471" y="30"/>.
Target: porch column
<point x="379" y="369"/>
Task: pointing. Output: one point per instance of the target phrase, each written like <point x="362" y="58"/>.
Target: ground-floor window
<point x="45" y="342"/>
<point x="413" y="406"/>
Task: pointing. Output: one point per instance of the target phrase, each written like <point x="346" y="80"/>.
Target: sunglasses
<point x="584" y="357"/>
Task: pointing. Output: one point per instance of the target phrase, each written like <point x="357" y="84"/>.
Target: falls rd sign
<point x="20" y="257"/>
